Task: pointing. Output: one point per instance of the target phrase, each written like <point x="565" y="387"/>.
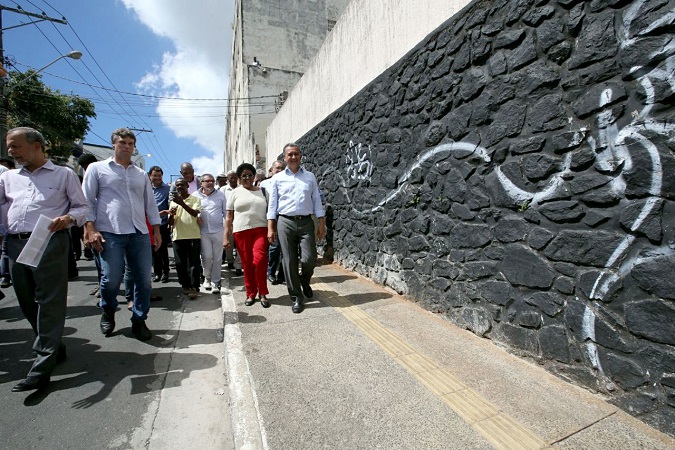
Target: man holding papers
<point x="40" y="188"/>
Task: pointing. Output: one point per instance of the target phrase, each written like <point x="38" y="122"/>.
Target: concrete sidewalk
<point x="362" y="367"/>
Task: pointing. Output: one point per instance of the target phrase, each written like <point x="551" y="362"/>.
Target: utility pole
<point x="3" y="99"/>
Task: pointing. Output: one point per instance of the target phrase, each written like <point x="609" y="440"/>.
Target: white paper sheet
<point x="37" y="243"/>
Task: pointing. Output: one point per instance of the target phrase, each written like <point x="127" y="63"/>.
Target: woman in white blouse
<point x="247" y="219"/>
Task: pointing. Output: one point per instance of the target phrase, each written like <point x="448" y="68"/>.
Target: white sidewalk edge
<point x="247" y="422"/>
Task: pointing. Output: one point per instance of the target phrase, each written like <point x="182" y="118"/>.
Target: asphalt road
<point x="109" y="391"/>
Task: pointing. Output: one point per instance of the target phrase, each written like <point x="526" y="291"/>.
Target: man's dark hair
<point x="155" y="169"/>
<point x="122" y="133"/>
<point x="291" y="144"/>
<point x="86" y="159"/>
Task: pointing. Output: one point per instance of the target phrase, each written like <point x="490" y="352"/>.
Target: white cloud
<point x="198" y="67"/>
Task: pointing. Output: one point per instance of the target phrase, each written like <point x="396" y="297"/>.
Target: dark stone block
<point x="511" y="230"/>
<point x="418" y="243"/>
<point x="590" y="284"/>
<point x="624" y="372"/>
<point x="539" y="76"/>
<point x="582" y="159"/>
<point x="479" y="269"/>
<point x="454" y="187"/>
<point x="508" y="39"/>
<point x="550" y="33"/>
<point x="523" y="267"/>
<point x="594" y="218"/>
<point x="462" y="59"/>
<point x="529" y="319"/>
<point x="610" y="337"/>
<point x="523" y="55"/>
<point x="517" y="9"/>
<point x="440" y="284"/>
<point x="393" y="135"/>
<point x="508" y="121"/>
<point x="650" y="225"/>
<point x="540" y="167"/>
<point x="589" y="102"/>
<point x="564" y="285"/>
<point x="651" y="319"/>
<point x="458" y="121"/>
<point x="442" y="225"/>
<point x="563" y="142"/>
<point x="455" y="297"/>
<point x="563" y="211"/>
<point x="537" y="15"/>
<point x="462" y="212"/>
<point x="639" y="177"/>
<point x="476" y="320"/>
<point x="569" y="270"/>
<point x="602" y="198"/>
<point x="550" y="303"/>
<point x="496" y="292"/>
<point x="473" y="82"/>
<point x="407" y="264"/>
<point x="539" y="238"/>
<point x="480" y="48"/>
<point x="465" y="235"/>
<point x="445" y="269"/>
<point x="589" y="248"/>
<point x="517" y="337"/>
<point x="497" y="64"/>
<point x="596" y="41"/>
<point x="547" y="114"/>
<point x="502" y="89"/>
<point x="560" y="52"/>
<point x="554" y="344"/>
<point x="529" y="145"/>
<point x="443" y="68"/>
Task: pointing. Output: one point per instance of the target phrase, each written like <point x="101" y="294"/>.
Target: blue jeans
<point x="135" y="250"/>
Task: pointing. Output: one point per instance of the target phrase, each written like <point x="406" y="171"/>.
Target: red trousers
<point x="252" y="249"/>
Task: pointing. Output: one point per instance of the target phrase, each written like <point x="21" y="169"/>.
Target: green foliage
<point x="61" y="118"/>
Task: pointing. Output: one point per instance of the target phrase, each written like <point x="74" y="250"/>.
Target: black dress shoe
<point x="165" y="278"/>
<point x="307" y="290"/>
<point x="140" y="330"/>
<point x="107" y="322"/>
<point x="31" y="384"/>
<point x="156" y="278"/>
<point x="297" y="305"/>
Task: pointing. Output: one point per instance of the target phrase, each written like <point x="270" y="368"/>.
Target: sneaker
<point x="215" y="287"/>
<point x="207" y="285"/>
<point x="5" y="282"/>
<point x="192" y="294"/>
<point x="140" y="330"/>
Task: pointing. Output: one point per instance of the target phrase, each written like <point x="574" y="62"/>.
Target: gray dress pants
<point x="42" y="293"/>
<point x="293" y="233"/>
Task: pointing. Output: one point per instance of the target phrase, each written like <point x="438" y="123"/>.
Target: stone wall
<point x="514" y="172"/>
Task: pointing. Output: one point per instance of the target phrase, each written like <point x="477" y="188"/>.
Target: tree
<point x="61" y="118"/>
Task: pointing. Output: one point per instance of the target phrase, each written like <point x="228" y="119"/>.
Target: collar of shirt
<point x="49" y="165"/>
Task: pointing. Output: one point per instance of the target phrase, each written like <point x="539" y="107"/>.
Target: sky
<point x="159" y="65"/>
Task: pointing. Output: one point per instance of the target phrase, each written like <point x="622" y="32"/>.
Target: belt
<point x="23" y="236"/>
<point x="295" y="217"/>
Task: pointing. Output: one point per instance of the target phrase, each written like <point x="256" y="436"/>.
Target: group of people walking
<point x="129" y="217"/>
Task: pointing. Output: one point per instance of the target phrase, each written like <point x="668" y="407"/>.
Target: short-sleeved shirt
<point x="185" y="225"/>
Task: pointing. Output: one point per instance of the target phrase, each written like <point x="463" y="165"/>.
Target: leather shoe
<point x="165" y="278"/>
<point x="264" y="302"/>
<point x="297" y="305"/>
<point x="156" y="278"/>
<point x="307" y="290"/>
<point x="140" y="330"/>
<point x="31" y="384"/>
<point x="249" y="301"/>
<point x="107" y="322"/>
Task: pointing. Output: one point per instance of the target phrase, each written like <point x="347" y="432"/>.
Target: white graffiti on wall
<point x="358" y="159"/>
<point x="610" y="145"/>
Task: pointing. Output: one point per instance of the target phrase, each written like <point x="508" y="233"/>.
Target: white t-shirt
<point x="250" y="209"/>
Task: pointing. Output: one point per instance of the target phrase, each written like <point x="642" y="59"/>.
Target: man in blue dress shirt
<point x="160" y="190"/>
<point x="120" y="197"/>
<point x="40" y="188"/>
<point x="294" y="197"/>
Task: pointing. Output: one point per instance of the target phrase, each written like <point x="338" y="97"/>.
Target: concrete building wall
<point x="369" y="37"/>
<point x="514" y="173"/>
<point x="273" y="45"/>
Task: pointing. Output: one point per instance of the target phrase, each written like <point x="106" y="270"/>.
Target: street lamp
<point x="5" y="91"/>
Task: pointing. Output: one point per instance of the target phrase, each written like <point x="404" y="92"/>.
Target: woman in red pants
<point x="247" y="218"/>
